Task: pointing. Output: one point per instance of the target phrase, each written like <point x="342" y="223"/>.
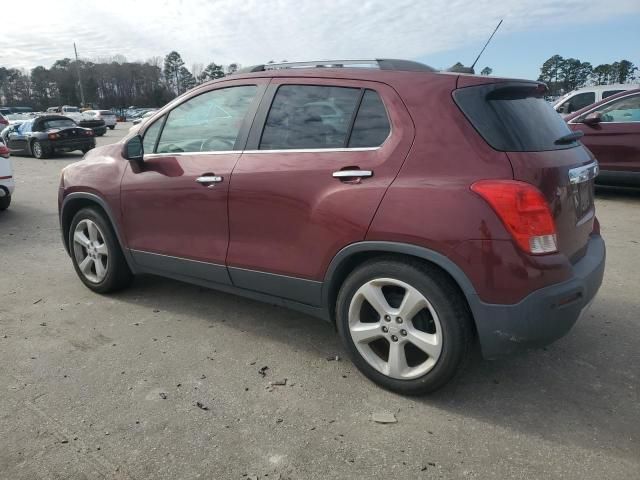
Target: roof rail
<point x="380" y="63"/>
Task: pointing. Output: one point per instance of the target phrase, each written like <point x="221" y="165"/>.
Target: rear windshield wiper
<point x="569" y="137"/>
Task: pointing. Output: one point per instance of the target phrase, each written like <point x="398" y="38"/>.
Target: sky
<point x="436" y="32"/>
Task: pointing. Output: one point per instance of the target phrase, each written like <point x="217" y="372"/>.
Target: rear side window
<point x="513" y="117"/>
<point x="309" y="117"/>
<point x="371" y="127"/>
<point x="609" y="93"/>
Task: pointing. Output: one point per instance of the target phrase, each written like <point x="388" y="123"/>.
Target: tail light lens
<point x="88" y="133"/>
<point x="53" y="136"/>
<point x="524" y="211"/>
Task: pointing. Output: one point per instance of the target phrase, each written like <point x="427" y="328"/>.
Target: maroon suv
<point x="419" y="211"/>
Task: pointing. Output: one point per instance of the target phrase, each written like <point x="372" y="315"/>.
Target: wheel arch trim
<point x="92" y="197"/>
<point x="383" y="247"/>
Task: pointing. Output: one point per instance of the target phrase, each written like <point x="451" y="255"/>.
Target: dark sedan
<point x="611" y="130"/>
<point x="43" y="136"/>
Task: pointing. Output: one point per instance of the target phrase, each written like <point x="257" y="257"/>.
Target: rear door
<point x="320" y="156"/>
<point x="513" y="117"/>
<point x="615" y="141"/>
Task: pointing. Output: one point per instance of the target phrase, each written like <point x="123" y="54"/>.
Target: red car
<point x="611" y="130"/>
<point x="419" y="211"/>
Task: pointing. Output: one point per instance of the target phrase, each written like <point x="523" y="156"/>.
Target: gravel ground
<point x="110" y="386"/>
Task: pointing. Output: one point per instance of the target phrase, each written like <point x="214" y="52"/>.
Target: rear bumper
<point x="544" y="315"/>
<point x="73" y="144"/>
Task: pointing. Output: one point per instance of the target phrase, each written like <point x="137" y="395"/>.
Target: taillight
<point x="89" y="133"/>
<point x="596" y="226"/>
<point x="53" y="136"/>
<point x="524" y="211"/>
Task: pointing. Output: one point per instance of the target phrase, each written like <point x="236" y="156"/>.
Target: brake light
<point x="524" y="211"/>
<point x="53" y="136"/>
<point x="89" y="133"/>
<point x="596" y="226"/>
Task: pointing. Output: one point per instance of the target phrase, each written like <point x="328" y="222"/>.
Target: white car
<point x="582" y="97"/>
<point x="7" y="183"/>
<point x="108" y="116"/>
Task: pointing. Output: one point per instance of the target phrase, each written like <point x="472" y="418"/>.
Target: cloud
<point x="255" y="31"/>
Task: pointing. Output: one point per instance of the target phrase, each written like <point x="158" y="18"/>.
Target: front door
<point x="615" y="141"/>
<point x="17" y="140"/>
<point x="320" y="156"/>
<point x="174" y="203"/>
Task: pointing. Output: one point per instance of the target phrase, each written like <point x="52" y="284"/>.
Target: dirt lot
<point x="108" y="386"/>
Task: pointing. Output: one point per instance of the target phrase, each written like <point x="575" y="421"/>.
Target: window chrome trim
<point x="583" y="174"/>
<point x="316" y="150"/>
<point x="183" y="154"/>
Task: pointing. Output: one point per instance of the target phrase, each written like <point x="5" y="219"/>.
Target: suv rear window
<point x="513" y="117"/>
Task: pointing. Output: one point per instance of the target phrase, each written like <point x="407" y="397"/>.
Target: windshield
<point x="59" y="123"/>
<point x="514" y="117"/>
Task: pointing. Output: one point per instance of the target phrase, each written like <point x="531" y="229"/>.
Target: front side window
<point x="209" y="122"/>
<point x="309" y="117"/>
<point x="24" y="128"/>
<point x="622" y="110"/>
<point x="578" y="101"/>
<point x="151" y="136"/>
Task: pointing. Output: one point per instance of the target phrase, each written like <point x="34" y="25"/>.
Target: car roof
<point x="594" y="106"/>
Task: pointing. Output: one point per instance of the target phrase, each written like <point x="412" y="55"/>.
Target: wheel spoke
<point x="93" y="231"/>
<point x="81" y="238"/>
<point x="373" y="294"/>
<point x="412" y="303"/>
<point x="427" y="342"/>
<point x="102" y="249"/>
<point x="397" y="362"/>
<point x="365" y="332"/>
<point x="100" y="270"/>
<point x="85" y="265"/>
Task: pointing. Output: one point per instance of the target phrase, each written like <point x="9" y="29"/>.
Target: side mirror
<point x="592" y="119"/>
<point x="133" y="149"/>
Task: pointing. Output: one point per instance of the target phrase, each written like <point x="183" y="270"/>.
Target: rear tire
<point x="423" y="351"/>
<point x="39" y="150"/>
<point x="96" y="254"/>
<point x="5" y="202"/>
<point x="112" y="127"/>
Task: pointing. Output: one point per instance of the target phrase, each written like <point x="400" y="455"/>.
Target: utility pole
<point x="79" y="78"/>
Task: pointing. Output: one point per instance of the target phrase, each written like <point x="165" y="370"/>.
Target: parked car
<point x="417" y="234"/>
<point x="582" y="97"/>
<point x="108" y="116"/>
<point x="7" y="183"/>
<point x="143" y="118"/>
<point x="98" y="125"/>
<point x="611" y="131"/>
<point x="47" y="134"/>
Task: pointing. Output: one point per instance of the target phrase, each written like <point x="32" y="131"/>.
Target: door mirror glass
<point x="592" y="119"/>
<point x="133" y="149"/>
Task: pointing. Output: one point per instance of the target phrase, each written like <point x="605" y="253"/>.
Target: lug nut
<point x="398" y="320"/>
<point x="387" y="318"/>
<point x="385" y="329"/>
<point x="394" y="338"/>
<point x="403" y="333"/>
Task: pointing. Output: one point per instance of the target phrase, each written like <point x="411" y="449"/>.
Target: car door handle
<point x="352" y="173"/>
<point x="205" y="179"/>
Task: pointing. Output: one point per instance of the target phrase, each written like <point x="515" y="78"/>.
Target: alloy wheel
<point x="90" y="251"/>
<point x="395" y="328"/>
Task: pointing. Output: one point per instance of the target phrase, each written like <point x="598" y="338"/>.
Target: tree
<point x="187" y="81"/>
<point x="601" y="74"/>
<point x="550" y="73"/>
<point x="623" y="71"/>
<point x="172" y="64"/>
<point x="486" y="71"/>
<point x="232" y="68"/>
<point x="211" y="72"/>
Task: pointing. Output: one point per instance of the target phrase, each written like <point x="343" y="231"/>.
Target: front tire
<point x="39" y="150"/>
<point x="96" y="254"/>
<point x="5" y="202"/>
<point x="404" y="324"/>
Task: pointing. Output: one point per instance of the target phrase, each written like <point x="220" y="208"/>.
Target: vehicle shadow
<point x="610" y="192"/>
<point x="578" y="391"/>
